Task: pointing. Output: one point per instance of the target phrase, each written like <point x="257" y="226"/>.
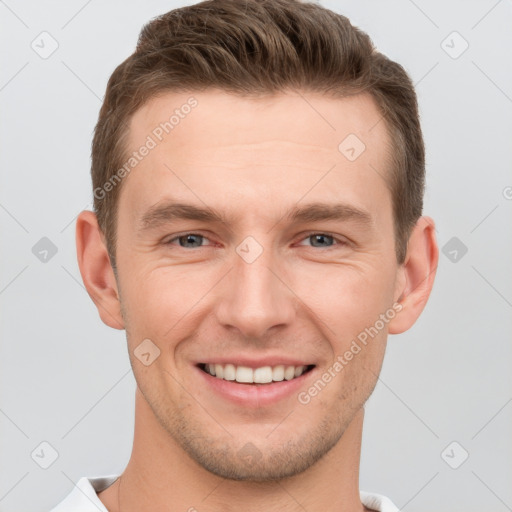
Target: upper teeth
<point x="260" y="375"/>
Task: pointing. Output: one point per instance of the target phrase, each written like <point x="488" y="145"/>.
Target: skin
<point x="253" y="160"/>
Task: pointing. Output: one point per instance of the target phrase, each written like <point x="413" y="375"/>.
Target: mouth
<point x="263" y="375"/>
<point x="255" y="387"/>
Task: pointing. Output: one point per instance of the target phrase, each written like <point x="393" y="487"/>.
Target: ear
<point x="96" y="270"/>
<point x="416" y="275"/>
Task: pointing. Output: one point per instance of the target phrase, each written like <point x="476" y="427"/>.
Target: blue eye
<point x="324" y="240"/>
<point x="194" y="240"/>
<point x="189" y="238"/>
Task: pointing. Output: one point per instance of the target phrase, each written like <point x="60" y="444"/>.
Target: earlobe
<point x="96" y="270"/>
<point x="418" y="273"/>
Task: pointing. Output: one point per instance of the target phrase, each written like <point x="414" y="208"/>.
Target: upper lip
<point x="255" y="362"/>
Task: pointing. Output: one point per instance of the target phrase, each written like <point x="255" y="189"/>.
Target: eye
<point x="324" y="240"/>
<point x="188" y="240"/>
<point x="195" y="240"/>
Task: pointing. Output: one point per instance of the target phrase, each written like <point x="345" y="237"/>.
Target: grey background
<point x="65" y="377"/>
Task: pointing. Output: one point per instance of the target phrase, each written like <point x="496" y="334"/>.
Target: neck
<point x="160" y="476"/>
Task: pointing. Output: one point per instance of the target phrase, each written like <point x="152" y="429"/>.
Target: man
<point x="258" y="174"/>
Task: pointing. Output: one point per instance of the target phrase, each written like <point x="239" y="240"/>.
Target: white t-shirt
<point x="83" y="497"/>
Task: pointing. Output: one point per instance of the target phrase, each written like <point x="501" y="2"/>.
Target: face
<point x="280" y="254"/>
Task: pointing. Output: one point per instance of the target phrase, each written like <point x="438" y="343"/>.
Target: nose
<point x="255" y="297"/>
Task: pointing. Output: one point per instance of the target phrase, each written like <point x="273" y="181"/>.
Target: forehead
<point x="308" y="118"/>
<point x="213" y="144"/>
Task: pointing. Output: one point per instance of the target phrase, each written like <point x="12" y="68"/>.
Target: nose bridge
<point x="254" y="299"/>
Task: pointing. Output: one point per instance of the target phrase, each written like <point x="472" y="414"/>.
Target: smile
<point x="261" y="375"/>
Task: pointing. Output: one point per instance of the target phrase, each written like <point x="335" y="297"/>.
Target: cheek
<point x="162" y="302"/>
<point x="346" y="300"/>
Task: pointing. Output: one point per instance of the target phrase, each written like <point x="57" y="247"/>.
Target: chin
<point x="260" y="459"/>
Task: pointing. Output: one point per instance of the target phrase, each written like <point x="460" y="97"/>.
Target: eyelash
<point x="339" y="242"/>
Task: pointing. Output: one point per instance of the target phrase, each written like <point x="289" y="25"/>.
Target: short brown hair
<point x="254" y="48"/>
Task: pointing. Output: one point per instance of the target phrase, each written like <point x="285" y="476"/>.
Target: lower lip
<point x="255" y="395"/>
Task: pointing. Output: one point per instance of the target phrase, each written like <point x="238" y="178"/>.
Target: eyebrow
<point x="168" y="211"/>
